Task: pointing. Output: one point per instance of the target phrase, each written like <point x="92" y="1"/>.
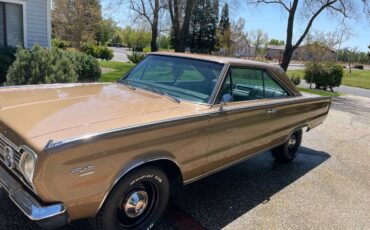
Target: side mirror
<point x="226" y="98"/>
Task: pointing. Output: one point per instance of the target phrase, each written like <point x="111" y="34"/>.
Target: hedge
<point x="40" y="65"/>
<point x="324" y="75"/>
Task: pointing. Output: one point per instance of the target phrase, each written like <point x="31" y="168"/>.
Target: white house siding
<point x="38" y="22"/>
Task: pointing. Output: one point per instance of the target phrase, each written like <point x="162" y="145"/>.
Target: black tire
<point x="114" y="215"/>
<point x="288" y="151"/>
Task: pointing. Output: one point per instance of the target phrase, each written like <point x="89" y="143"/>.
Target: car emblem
<point x="9" y="157"/>
<point x="84" y="171"/>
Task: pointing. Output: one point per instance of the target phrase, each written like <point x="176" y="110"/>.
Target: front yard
<point x="320" y="92"/>
<point x="358" y="78"/>
<point x="112" y="71"/>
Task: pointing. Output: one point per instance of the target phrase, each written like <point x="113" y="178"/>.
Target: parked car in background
<point x="111" y="151"/>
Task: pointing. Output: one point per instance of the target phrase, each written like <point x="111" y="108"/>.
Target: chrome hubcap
<point x="292" y="142"/>
<point x="136" y="204"/>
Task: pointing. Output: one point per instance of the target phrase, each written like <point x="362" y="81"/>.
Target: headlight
<point x="27" y="165"/>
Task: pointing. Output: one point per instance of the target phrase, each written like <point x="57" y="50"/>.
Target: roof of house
<point x="276" y="47"/>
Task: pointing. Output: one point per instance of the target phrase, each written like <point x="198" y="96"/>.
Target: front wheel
<point x="288" y="151"/>
<point x="136" y="202"/>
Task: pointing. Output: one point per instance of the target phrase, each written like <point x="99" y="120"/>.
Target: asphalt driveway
<point x="326" y="187"/>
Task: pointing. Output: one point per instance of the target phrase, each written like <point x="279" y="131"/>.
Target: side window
<point x="272" y="88"/>
<point x="243" y="84"/>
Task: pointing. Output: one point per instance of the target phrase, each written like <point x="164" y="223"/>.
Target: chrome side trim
<point x="219" y="84"/>
<point x="128" y="169"/>
<point x="89" y="137"/>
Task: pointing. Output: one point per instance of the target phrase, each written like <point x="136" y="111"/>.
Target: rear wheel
<point x="137" y="202"/>
<point x="288" y="151"/>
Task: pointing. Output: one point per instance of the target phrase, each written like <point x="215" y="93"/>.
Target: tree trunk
<point x="181" y="32"/>
<point x="289" y="37"/>
<point x="153" y="43"/>
<point x="287" y="57"/>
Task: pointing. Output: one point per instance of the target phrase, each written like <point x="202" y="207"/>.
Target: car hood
<point x="33" y="111"/>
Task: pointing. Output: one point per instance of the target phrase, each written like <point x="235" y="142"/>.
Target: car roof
<point x="220" y="59"/>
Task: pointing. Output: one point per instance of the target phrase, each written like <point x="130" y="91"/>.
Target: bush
<point x="61" y="44"/>
<point x="324" y="75"/>
<point x="358" y="67"/>
<point x="7" y="57"/>
<point x="40" y="65"/>
<point x="86" y="66"/>
<point x="295" y="80"/>
<point x="105" y="53"/>
<point x="101" y="52"/>
<point x="136" y="57"/>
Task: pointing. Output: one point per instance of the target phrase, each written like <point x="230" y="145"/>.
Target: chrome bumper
<point x="47" y="216"/>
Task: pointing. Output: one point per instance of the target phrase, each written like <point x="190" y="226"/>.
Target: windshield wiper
<point x="157" y="91"/>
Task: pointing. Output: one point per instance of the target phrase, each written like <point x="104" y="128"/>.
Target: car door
<point x="242" y="126"/>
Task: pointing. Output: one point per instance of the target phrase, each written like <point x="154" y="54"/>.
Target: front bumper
<point x="47" y="216"/>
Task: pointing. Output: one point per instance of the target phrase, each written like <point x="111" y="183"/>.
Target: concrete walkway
<point x="344" y="89"/>
<point x="119" y="54"/>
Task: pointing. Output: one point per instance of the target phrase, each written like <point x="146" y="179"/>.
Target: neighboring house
<point x="302" y="53"/>
<point x="240" y="48"/>
<point x="275" y="52"/>
<point x="25" y="23"/>
<point x="315" y="51"/>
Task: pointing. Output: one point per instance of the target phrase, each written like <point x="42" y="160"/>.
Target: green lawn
<point x="358" y="78"/>
<point x="112" y="71"/>
<point x="320" y="92"/>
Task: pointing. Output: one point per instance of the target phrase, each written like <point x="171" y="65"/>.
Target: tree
<point x="311" y="9"/>
<point x="180" y="14"/>
<point x="106" y="31"/>
<point x="203" y="26"/>
<point x="368" y="54"/>
<point x="137" y="39"/>
<point x="127" y="36"/>
<point x="149" y="10"/>
<point x="350" y="56"/>
<point x="76" y="21"/>
<point x="276" y="42"/>
<point x="224" y="41"/>
<point x="259" y="39"/>
<point x="164" y="42"/>
<point x="225" y="20"/>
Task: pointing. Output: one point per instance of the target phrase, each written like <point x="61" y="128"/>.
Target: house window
<point x="11" y="24"/>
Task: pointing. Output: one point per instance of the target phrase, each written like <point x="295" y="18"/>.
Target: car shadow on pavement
<point x="221" y="198"/>
<point x="214" y="201"/>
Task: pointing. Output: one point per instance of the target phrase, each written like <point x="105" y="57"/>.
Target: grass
<point x="320" y="92"/>
<point x="358" y="78"/>
<point x="115" y="70"/>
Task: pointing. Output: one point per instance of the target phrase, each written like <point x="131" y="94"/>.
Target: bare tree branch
<point x="272" y="2"/>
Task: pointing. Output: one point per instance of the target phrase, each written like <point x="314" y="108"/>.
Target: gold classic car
<point x="111" y="152"/>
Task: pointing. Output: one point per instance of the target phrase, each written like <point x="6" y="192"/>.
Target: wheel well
<point x="171" y="169"/>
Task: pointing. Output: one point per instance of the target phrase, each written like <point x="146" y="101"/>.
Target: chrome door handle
<point x="271" y="111"/>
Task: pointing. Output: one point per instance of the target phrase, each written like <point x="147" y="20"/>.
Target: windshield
<point x="181" y="78"/>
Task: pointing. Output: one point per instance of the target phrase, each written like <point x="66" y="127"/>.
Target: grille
<point x="4" y="142"/>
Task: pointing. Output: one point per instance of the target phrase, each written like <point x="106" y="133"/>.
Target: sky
<point x="272" y="20"/>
